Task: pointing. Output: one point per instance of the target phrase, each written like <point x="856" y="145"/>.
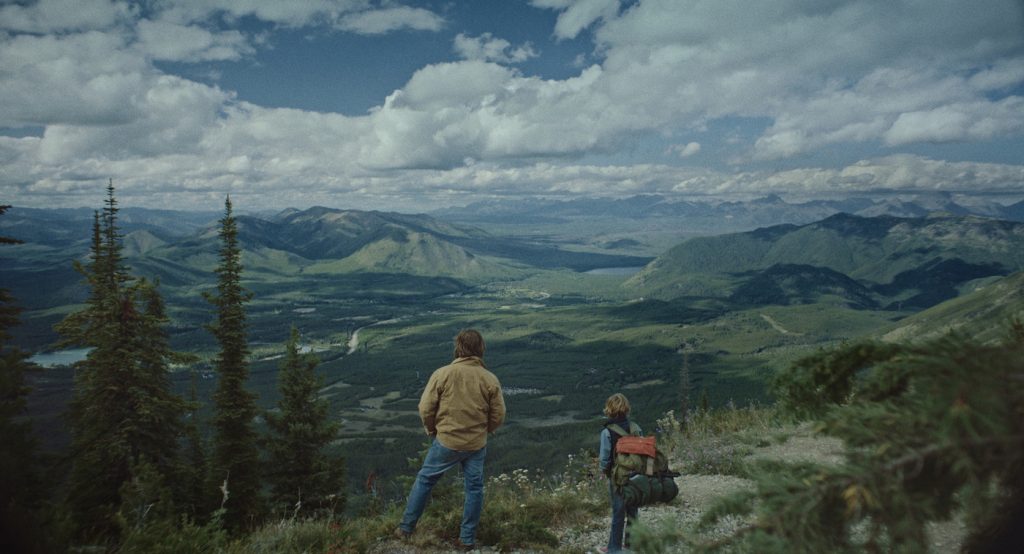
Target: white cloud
<point x="822" y="72"/>
<point x="888" y="73"/>
<point x="47" y="16"/>
<point x="386" y="20"/>
<point x="81" y="79"/>
<point x="290" y="13"/>
<point x="359" y="16"/>
<point x="487" y="47"/>
<point x="577" y="15"/>
<point x="685" y="150"/>
<point x="162" y="40"/>
<point x="977" y="120"/>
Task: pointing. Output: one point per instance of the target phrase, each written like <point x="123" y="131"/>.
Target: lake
<point x="60" y="357"/>
<point x="615" y="270"/>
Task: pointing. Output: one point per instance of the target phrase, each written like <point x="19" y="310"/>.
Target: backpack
<point x="640" y="471"/>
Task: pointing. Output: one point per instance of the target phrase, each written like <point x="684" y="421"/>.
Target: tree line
<point x="139" y="462"/>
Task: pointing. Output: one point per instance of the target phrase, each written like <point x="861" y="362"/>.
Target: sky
<point x="415" y="105"/>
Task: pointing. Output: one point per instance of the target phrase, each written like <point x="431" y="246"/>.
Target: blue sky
<point x="405" y="105"/>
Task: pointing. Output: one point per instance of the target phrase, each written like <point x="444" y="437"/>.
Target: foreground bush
<point x="930" y="431"/>
<point x="522" y="510"/>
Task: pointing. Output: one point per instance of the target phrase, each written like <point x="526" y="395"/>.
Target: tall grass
<point x="523" y="510"/>
<point x="716" y="441"/>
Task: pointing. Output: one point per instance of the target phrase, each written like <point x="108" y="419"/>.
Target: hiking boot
<point x="466" y="547"/>
<point x="402" y="534"/>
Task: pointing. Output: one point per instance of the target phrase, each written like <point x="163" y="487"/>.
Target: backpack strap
<point x="618" y="430"/>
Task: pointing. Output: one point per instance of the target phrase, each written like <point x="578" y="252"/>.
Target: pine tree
<point x="161" y="412"/>
<point x="303" y="478"/>
<point x="929" y="429"/>
<point x="236" y="455"/>
<point x="20" y="484"/>
<point x="196" y="474"/>
<point x="122" y="411"/>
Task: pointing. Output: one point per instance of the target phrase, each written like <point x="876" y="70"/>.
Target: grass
<point x="715" y="442"/>
<point x="524" y="509"/>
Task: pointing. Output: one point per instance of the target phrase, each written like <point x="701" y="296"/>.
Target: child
<point x="617" y="410"/>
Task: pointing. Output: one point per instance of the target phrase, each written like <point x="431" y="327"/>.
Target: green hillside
<point x="416" y="253"/>
<point x="326" y="233"/>
<point x="785" y="284"/>
<point x="982" y="313"/>
<point x="141" y="242"/>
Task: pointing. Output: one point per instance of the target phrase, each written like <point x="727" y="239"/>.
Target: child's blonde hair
<point x="617" y="405"/>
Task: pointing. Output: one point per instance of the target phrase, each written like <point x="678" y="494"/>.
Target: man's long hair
<point x="469" y="343"/>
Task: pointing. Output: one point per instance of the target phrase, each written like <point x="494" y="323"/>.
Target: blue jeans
<point x="620" y="523"/>
<point x="439" y="460"/>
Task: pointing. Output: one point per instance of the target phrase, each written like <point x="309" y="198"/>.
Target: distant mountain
<point x="415" y="253"/>
<point x="784" y="284"/>
<point x="915" y="261"/>
<point x="713" y="216"/>
<point x="983" y="313"/>
<point x="290" y="245"/>
<point x="141" y="242"/>
<point x="66" y="226"/>
<point x="1013" y="212"/>
<point x="326" y="233"/>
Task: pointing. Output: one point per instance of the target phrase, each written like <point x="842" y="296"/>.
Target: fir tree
<point x="303" y="478"/>
<point x="161" y="411"/>
<point x="196" y="474"/>
<point x="122" y="411"/>
<point x="930" y="430"/>
<point x="236" y="455"/>
<point x="20" y="484"/>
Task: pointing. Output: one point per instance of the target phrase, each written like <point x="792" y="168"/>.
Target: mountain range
<point x="181" y="248"/>
<point x="885" y="261"/>
<point x="717" y="216"/>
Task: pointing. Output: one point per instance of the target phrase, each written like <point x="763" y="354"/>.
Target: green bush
<point x="168" y="536"/>
<point x="295" y="537"/>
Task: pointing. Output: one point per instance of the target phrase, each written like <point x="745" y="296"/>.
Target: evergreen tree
<point x="160" y="411"/>
<point x="930" y="430"/>
<point x="196" y="472"/>
<point x="122" y="411"/>
<point x="303" y="478"/>
<point x="236" y="455"/>
<point x="20" y="484"/>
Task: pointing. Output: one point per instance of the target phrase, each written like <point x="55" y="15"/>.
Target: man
<point x="461" y="404"/>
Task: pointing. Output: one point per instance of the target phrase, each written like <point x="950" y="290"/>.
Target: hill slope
<point x="415" y="253"/>
<point x="898" y="258"/>
<point x="982" y="313"/>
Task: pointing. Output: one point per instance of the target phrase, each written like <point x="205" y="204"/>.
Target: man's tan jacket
<point x="462" y="403"/>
